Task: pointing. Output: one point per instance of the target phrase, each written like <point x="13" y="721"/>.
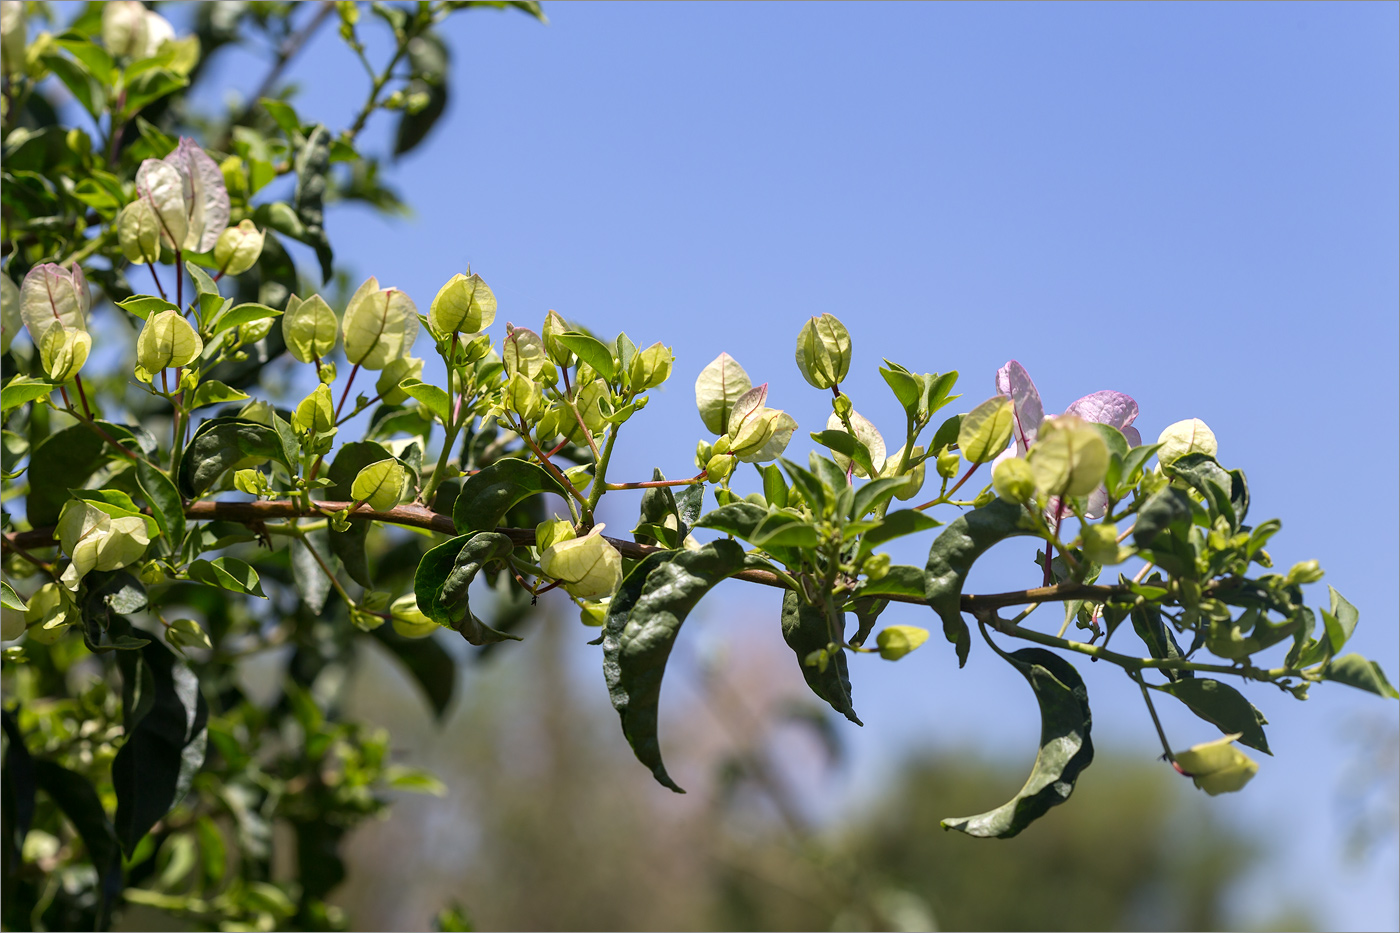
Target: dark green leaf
<point x="229" y="573"/>
<point x="1158" y="637"/>
<point x="952" y="555"/>
<point x="1340" y="621"/>
<point x="349" y="545"/>
<point x="414" y="127"/>
<point x="74" y="795"/>
<point x="876" y="493"/>
<point x="1065" y="747"/>
<point x="899" y="580"/>
<point x="1203" y="474"/>
<point x="444" y="576"/>
<point x="64" y="460"/>
<point x="148" y="87"/>
<point x="737" y="518"/>
<point x="166" y="504"/>
<point x="1355" y="671"/>
<point x="807" y="483"/>
<point x="644" y="619"/>
<point x="489" y="494"/>
<point x="219" y="445"/>
<point x="847" y="446"/>
<point x="807" y="630"/>
<point x="775" y="489"/>
<point x="658" y="503"/>
<point x="868" y="609"/>
<point x="312" y="582"/>
<point x="1224" y="707"/>
<point x="165" y="739"/>
<point x="895" y="525"/>
<point x="76" y="77"/>
<point x="312" y="163"/>
<point x="946" y="435"/>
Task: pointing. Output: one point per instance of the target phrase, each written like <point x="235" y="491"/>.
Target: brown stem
<point x="657" y="484"/>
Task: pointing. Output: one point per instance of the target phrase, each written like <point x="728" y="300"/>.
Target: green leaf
<point x="1158" y="637"/>
<point x="1355" y="671"/>
<point x="432" y="398"/>
<point x="74" y="795"/>
<point x="246" y="313"/>
<point x="414" y="780"/>
<point x="896" y="525"/>
<point x="23" y="389"/>
<point x="782" y="529"/>
<point x="76" y="77"/>
<point x="349" y="545"/>
<point x="414" y="126"/>
<point x="227" y="573"/>
<point x="165" y="716"/>
<point x="64" y="460"/>
<point x="285" y="116"/>
<point x="899" y="580"/>
<point x="644" y="618"/>
<point x="380" y="484"/>
<point x="1203" y="474"/>
<point x="150" y="86"/>
<point x="444" y="576"/>
<point x="592" y="351"/>
<point x="10" y="599"/>
<point x="167" y="507"/>
<point x="737" y="518"/>
<point x="219" y="445"/>
<point x="214" y="392"/>
<point x="807" y="482"/>
<point x="947" y="434"/>
<point x="658" y="503"/>
<point x="312" y="583"/>
<point x="952" y="555"/>
<point x="427" y="661"/>
<point x="1223" y="707"/>
<point x="1113" y="438"/>
<point x="806" y="630"/>
<point x="143" y="306"/>
<point x="876" y="493"/>
<point x="1065" y="747"/>
<point x="1340" y="621"/>
<point x="93" y="56"/>
<point x="488" y="495"/>
<point x="312" y="164"/>
<point x="847" y="446"/>
<point x="907" y="387"/>
<point x="936" y="395"/>
<point x="775" y="488"/>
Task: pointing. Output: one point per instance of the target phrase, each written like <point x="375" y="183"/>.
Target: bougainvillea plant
<point x="169" y="512"/>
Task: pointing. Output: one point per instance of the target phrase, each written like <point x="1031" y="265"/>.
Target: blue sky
<point x="1193" y="204"/>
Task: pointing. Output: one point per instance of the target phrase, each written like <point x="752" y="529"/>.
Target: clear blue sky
<point x="1193" y="204"/>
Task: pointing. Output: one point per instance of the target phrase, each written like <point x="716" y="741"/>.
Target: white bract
<point x="97" y="541"/>
<point x="186" y="192"/>
<point x="52" y="293"/>
<point x="1192" y="436"/>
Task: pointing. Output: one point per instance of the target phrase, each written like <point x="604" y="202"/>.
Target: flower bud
<point x="1014" y="480"/>
<point x="552" y="532"/>
<point x="1101" y="545"/>
<point x="554" y="325"/>
<point x="1218" y="767"/>
<point x="410" y="621"/>
<point x="167" y="340"/>
<point x="948" y="463"/>
<point x="704" y="450"/>
<point x="252" y="481"/>
<point x="138" y="230"/>
<point x="895" y="641"/>
<point x="842" y="404"/>
<point x="316" y="413"/>
<point x="650" y="367"/>
<point x="877" y="566"/>
<point x="63" y="352"/>
<point x="380" y="325"/>
<point x="1186" y="437"/>
<point x="720" y="446"/>
<point x="824" y="351"/>
<point x="587" y="567"/>
<point x="380" y="485"/>
<point x="719" y="468"/>
<point x="594" y="612"/>
<point x="464" y="305"/>
<point x="238" y="248"/>
<point x="1069" y="457"/>
<point x="387" y="385"/>
<point x="52" y="293"/>
<point x="1305" y="571"/>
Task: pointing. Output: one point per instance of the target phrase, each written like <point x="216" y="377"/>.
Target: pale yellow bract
<point x="380" y="325"/>
<point x="1069" y="457"/>
<point x="167" y="340"/>
<point x="587" y="567"/>
<point x="1218" y="767"/>
<point x="309" y="328"/>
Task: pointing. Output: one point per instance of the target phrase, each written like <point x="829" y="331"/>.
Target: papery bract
<point x="1218" y="767"/>
<point x="824" y="351"/>
<point x="309" y="328"/>
<point x="867" y="434"/>
<point x="465" y="304"/>
<point x="719" y="385"/>
<point x="167" y="340"/>
<point x="380" y="325"/>
<point x="1192" y="436"/>
<point x="588" y="567"/>
<point x="138" y="231"/>
<point x="11" y="320"/>
<point x="52" y="293"/>
<point x="238" y="248"/>
<point x="187" y="193"/>
<point x="1068" y="458"/>
<point x="63" y="352"/>
<point x="395" y="372"/>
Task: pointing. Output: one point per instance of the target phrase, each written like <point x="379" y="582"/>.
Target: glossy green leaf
<point x="591" y="351"/>
<point x="444" y="576"/>
<point x="899" y="580"/>
<point x="1223" y="707"/>
<point x="432" y="397"/>
<point x="10" y="599"/>
<point x="896" y="525"/>
<point x="247" y="313"/>
<point x="165" y="738"/>
<point x="907" y="387"/>
<point x="167" y="507"/>
<point x="848" y="446"/>
<point x="349" y="545"/>
<point x="951" y="558"/>
<point x="312" y="164"/>
<point x="1355" y="671"/>
<point x="1208" y="478"/>
<point x="737" y="518"/>
<point x="214" y="392"/>
<point x="1157" y="635"/>
<point x="22" y="390"/>
<point x="489" y="494"/>
<point x="312" y="583"/>
<point x="228" y="573"/>
<point x="1340" y="621"/>
<point x="1065" y="747"/>
<point x="64" y="460"/>
<point x="809" y="484"/>
<point x="806" y="630"/>
<point x="644" y="618"/>
<point x="219" y="445"/>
